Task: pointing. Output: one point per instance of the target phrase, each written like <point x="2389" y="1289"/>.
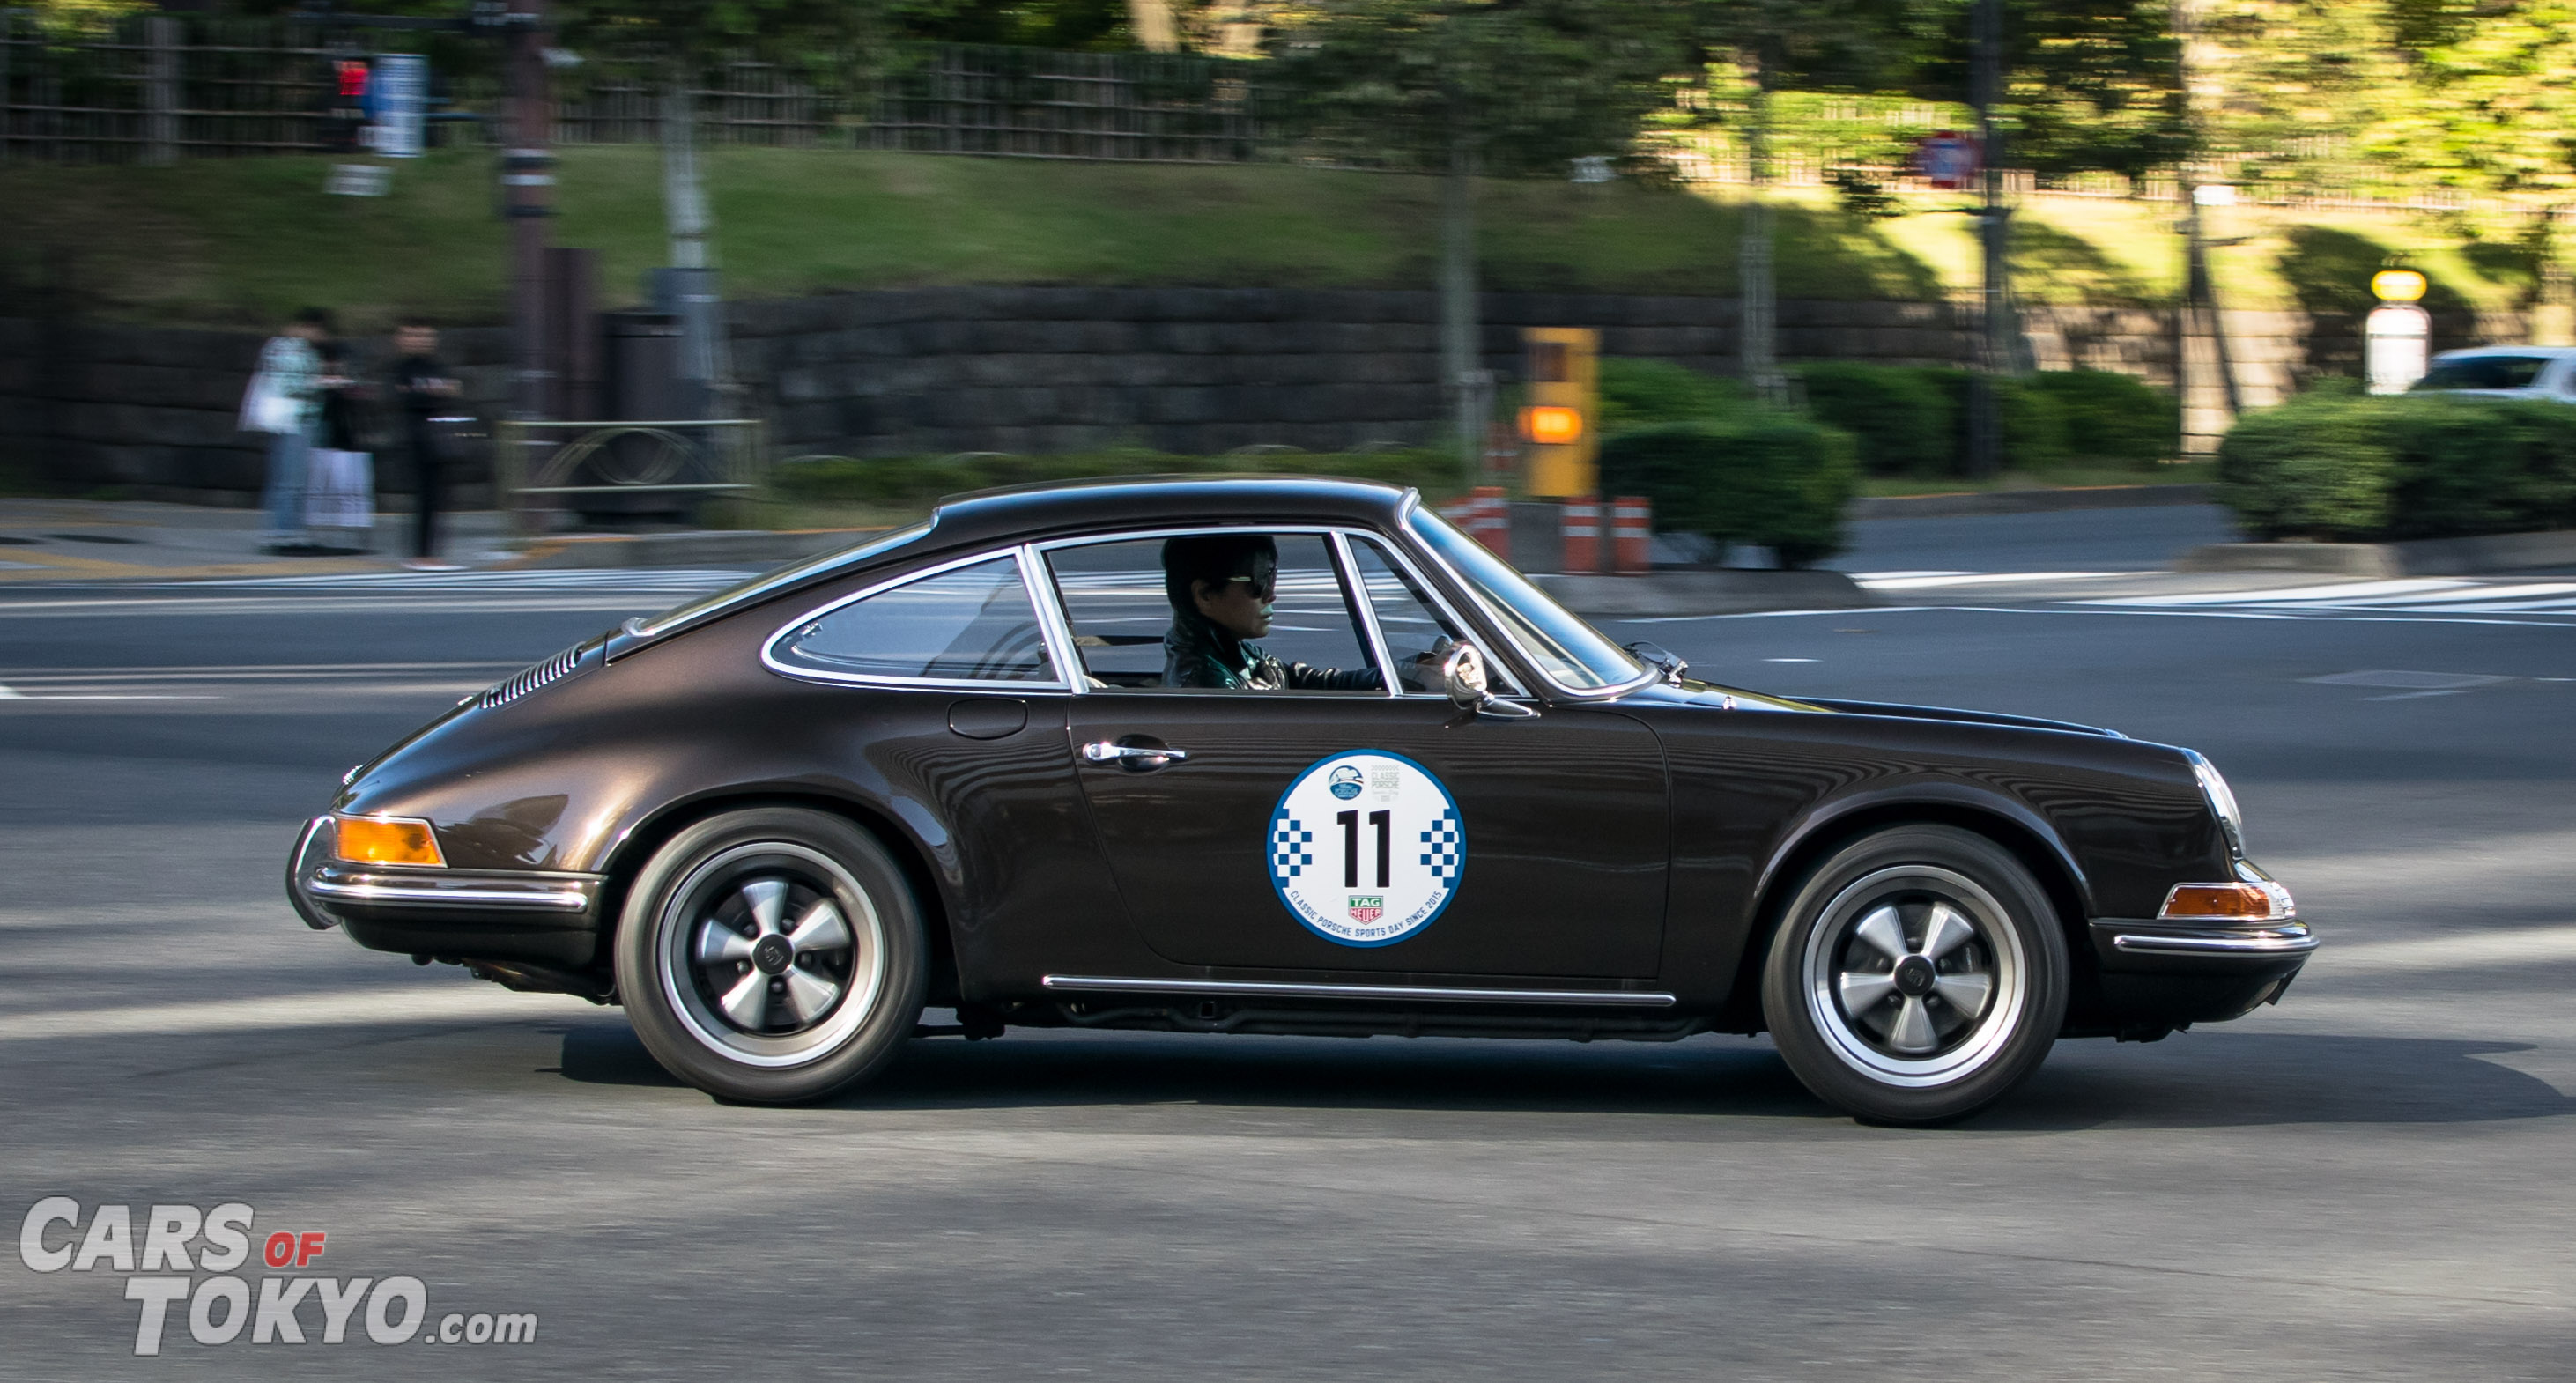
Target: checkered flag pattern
<point x="1440" y="846"/>
<point x="1289" y="846"/>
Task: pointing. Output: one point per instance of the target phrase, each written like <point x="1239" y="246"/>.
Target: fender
<point x="1822" y="819"/>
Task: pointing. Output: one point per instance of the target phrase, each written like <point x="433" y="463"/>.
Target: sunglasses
<point x="1262" y="586"/>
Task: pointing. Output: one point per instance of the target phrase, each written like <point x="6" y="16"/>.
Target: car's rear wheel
<point x="1917" y="976"/>
<point x="772" y="955"/>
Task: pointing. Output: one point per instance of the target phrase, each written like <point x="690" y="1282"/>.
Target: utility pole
<point x="1995" y="345"/>
<point x="527" y="187"/>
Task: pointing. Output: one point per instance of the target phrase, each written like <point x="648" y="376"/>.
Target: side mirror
<point x="1662" y="660"/>
<point x="1462" y="676"/>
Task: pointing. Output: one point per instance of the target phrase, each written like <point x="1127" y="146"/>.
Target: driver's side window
<point x="1275" y="598"/>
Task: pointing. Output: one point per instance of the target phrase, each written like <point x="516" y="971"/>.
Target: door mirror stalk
<point x="1462" y="676"/>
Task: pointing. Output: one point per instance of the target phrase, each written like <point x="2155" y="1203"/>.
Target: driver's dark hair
<point x="1210" y="557"/>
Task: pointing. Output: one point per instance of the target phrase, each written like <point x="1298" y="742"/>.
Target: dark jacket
<point x="1197" y="653"/>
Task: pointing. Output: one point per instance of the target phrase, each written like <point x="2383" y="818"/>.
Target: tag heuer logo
<point x="1367" y="907"/>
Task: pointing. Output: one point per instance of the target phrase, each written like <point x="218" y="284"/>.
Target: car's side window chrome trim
<point x="1019" y="557"/>
<point x="1356" y="591"/>
<point x="1502" y="625"/>
<point x="1401" y="561"/>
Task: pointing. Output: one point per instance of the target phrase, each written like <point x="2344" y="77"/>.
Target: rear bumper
<point x="449" y="914"/>
<point x="2165" y="972"/>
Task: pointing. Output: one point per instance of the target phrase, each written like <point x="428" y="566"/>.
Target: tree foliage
<point x="1523" y="85"/>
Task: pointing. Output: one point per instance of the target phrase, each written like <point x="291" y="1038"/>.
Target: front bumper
<point x="2169" y="972"/>
<point x="447" y="914"/>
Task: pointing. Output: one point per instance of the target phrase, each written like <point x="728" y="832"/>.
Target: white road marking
<point x="2343" y="591"/>
<point x="1980" y="578"/>
<point x="445" y="1003"/>
<point x="2477" y="950"/>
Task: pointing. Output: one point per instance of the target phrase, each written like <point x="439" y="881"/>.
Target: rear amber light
<point x="386" y="840"/>
<point x="2264" y="902"/>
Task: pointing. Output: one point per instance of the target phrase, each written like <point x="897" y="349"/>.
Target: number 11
<point x="1350" y="823"/>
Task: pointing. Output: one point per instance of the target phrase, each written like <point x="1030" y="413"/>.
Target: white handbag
<point x="264" y="409"/>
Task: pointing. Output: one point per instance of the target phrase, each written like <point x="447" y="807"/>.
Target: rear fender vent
<point x="553" y="669"/>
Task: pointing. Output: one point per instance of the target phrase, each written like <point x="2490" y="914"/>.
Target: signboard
<point x="399" y="92"/>
<point x="1947" y="160"/>
<point x="2398" y="338"/>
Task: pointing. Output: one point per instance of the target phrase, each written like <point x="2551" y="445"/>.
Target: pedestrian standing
<point x="423" y="389"/>
<point x="284" y="401"/>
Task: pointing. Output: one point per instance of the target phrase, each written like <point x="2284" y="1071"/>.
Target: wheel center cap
<point x="1914" y="977"/>
<point x="773" y="953"/>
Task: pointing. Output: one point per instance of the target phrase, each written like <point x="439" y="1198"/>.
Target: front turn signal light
<point x="386" y="840"/>
<point x="2239" y="902"/>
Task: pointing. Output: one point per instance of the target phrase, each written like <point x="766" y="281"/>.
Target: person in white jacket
<point x="285" y="401"/>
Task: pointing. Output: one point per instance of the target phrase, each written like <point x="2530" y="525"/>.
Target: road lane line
<point x="319" y="1009"/>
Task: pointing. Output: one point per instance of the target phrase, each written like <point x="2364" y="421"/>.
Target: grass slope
<point x="243" y="241"/>
<point x="240" y="242"/>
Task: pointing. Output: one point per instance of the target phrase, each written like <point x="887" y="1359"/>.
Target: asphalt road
<point x="2369" y="1181"/>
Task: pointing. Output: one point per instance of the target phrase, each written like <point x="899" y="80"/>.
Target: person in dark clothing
<point x="1220" y="586"/>
<point x="422" y="389"/>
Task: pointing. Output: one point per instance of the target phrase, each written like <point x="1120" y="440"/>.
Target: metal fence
<point x="155" y="88"/>
<point x="158" y="88"/>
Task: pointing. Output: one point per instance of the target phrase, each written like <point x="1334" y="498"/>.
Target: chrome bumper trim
<point x="2287" y="938"/>
<point x="546" y="897"/>
<point x="1263" y="989"/>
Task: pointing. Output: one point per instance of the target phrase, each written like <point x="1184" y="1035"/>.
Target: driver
<point x="1220" y="586"/>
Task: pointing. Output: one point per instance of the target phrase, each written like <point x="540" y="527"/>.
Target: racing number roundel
<point x="1366" y="848"/>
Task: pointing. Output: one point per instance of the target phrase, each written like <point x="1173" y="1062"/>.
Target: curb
<point x="1684" y="593"/>
<point x="1967" y="503"/>
<point x="2379" y="561"/>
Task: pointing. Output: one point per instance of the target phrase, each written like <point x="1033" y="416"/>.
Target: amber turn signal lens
<point x="1551" y="425"/>
<point x="376" y="840"/>
<point x="2228" y="902"/>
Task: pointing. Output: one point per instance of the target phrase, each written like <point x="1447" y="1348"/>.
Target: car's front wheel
<point x="1918" y="974"/>
<point x="772" y="955"/>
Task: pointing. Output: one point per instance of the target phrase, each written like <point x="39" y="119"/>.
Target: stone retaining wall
<point x="1189" y="370"/>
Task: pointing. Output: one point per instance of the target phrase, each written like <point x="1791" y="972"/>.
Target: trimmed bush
<point x="2111" y="417"/>
<point x="2339" y="465"/>
<point x="1763" y="477"/>
<point x="1902" y="420"/>
<point x="913" y="480"/>
<point x="1643" y="393"/>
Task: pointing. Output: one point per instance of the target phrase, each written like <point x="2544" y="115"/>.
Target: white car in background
<point x="2504" y="372"/>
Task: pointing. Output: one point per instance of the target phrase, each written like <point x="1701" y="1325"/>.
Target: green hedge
<point x="1644" y="393"/>
<point x="1763" y="477"/>
<point x="1913" y="420"/>
<point x="2111" y="417"/>
<point x="1904" y="421"/>
<point x="2338" y="465"/>
<point x="915" y="480"/>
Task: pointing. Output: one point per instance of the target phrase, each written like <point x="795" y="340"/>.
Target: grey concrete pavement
<point x="2367" y="1181"/>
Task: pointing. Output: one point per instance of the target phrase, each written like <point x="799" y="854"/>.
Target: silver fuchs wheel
<point x="1918" y="975"/>
<point x="772" y="955"/>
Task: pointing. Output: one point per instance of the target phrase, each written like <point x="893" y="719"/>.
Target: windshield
<point x="2484" y="372"/>
<point x="1572" y="654"/>
<point x="768" y="581"/>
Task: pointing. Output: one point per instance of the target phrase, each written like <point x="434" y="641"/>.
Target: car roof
<point x="1040" y="510"/>
<point x="1019" y="513"/>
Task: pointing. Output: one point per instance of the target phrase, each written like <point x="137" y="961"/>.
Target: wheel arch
<point x="627" y="857"/>
<point x="2008" y="825"/>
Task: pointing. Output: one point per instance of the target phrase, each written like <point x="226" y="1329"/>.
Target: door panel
<point x="1563" y="826"/>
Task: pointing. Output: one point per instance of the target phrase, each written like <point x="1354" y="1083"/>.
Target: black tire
<point x="1972" y="992"/>
<point x="734" y="975"/>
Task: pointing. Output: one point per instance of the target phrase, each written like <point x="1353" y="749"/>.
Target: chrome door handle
<point x="1136" y="755"/>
